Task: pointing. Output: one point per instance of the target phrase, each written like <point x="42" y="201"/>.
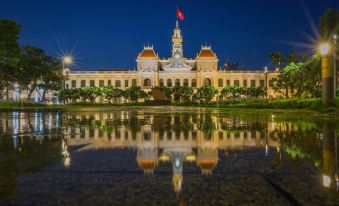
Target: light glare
<point x="326" y="181"/>
<point x="324" y="49"/>
<point x="68" y="60"/>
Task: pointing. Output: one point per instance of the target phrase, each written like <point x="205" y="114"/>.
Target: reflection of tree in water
<point x="302" y="144"/>
<point x="31" y="156"/>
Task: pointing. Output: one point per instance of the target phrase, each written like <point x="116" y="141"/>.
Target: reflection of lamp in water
<point x="65" y="153"/>
<point x="177" y="181"/>
<point x="328" y="147"/>
<point x="336" y="162"/>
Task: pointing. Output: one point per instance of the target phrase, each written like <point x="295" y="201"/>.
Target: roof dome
<point x="148" y="54"/>
<point x="206" y="53"/>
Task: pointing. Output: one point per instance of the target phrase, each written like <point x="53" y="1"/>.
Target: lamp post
<point x="266" y="72"/>
<point x="326" y="75"/>
<point x="335" y="63"/>
<point x="67" y="60"/>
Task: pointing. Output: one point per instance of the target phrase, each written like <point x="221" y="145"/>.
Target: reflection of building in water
<point x="177" y="138"/>
<point x="168" y="138"/>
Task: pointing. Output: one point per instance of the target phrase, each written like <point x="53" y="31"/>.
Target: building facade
<point x="154" y="71"/>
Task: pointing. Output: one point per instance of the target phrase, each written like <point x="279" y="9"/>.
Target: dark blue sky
<point x="110" y="34"/>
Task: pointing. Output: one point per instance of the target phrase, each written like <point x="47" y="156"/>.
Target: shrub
<point x="18" y="103"/>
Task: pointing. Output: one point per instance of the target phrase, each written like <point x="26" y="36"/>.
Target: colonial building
<point x="153" y="71"/>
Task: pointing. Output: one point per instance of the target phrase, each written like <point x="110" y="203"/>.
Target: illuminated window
<point x="244" y="83"/>
<point x="74" y="83"/>
<point x="252" y="83"/>
<point x="236" y="83"/>
<point x="220" y="83"/>
<point x="91" y="83"/>
<point x="185" y="83"/>
<point x="169" y="82"/>
<point x="101" y="83"/>
<point x="117" y="83"/>
<point x="207" y="82"/>
<point x="194" y="83"/>
<point x="134" y="82"/>
<point x="147" y="82"/>
<point x="83" y="83"/>
<point x="161" y="82"/>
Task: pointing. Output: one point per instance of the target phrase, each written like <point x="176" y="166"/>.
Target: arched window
<point x="147" y="82"/>
<point x="169" y="82"/>
<point x="207" y="82"/>
<point x="194" y="83"/>
<point x="185" y="83"/>
<point x="161" y="82"/>
<point x="177" y="82"/>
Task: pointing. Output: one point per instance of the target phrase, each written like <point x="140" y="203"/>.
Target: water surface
<point x="167" y="156"/>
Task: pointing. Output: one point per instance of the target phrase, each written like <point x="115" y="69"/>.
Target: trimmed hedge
<point x="19" y="103"/>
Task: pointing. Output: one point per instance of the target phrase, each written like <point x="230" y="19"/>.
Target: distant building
<point x="177" y="70"/>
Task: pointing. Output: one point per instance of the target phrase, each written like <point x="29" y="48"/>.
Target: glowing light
<point x="164" y="158"/>
<point x="191" y="158"/>
<point x="324" y="49"/>
<point x="266" y="69"/>
<point x="326" y="181"/>
<point x="68" y="60"/>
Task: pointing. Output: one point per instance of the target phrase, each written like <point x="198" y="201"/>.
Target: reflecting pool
<point x="168" y="156"/>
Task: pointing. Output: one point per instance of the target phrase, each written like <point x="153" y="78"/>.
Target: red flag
<point x="180" y="15"/>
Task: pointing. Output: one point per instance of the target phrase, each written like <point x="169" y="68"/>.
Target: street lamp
<point x="266" y="71"/>
<point x="66" y="60"/>
<point x="335" y="63"/>
<point x="326" y="75"/>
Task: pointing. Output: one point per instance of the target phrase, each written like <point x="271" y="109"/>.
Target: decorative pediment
<point x="148" y="70"/>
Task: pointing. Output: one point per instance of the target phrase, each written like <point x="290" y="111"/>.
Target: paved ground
<point x="112" y="177"/>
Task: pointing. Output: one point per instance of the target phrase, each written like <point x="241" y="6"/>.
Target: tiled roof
<point x="206" y="53"/>
<point x="147" y="53"/>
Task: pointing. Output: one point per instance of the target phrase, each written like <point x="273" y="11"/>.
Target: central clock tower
<point x="177" y="42"/>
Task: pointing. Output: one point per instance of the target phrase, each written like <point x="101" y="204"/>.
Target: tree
<point x="111" y="93"/>
<point x="53" y="77"/>
<point x="35" y="65"/>
<point x="291" y="57"/>
<point x="187" y="93"/>
<point x="206" y="93"/>
<point x="276" y="58"/>
<point x="177" y="92"/>
<point x="90" y="93"/>
<point x="299" y="79"/>
<point x="134" y="93"/>
<point x="329" y="24"/>
<point x="9" y="53"/>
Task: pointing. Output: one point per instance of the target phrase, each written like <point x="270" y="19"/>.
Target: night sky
<point x="110" y="34"/>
